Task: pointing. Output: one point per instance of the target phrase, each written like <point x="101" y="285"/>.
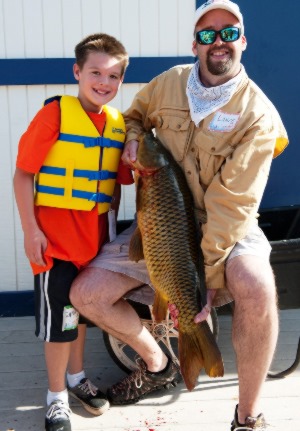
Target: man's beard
<point x="219" y="68"/>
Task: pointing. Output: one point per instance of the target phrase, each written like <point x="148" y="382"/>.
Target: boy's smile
<point x="99" y="80"/>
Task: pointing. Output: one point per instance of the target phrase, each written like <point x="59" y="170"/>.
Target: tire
<point x="164" y="333"/>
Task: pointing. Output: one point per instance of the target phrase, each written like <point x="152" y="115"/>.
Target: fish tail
<point x="213" y="362"/>
<point x="198" y="349"/>
<point x="190" y="359"/>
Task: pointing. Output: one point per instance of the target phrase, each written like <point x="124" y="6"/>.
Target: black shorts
<point x="56" y="319"/>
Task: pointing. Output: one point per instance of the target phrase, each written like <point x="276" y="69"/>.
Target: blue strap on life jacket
<point x="51" y="99"/>
<point x="90" y="196"/>
<point x="90" y="142"/>
<point x="80" y="173"/>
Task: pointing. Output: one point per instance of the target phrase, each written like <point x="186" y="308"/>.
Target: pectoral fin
<point x="136" y="252"/>
<point x="160" y="307"/>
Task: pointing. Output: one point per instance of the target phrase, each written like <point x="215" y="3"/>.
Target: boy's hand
<point x="35" y="244"/>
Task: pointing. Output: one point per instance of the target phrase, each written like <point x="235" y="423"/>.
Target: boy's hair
<point x="101" y="42"/>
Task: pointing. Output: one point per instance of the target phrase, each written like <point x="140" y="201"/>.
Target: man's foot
<point x="141" y="382"/>
<point x="58" y="417"/>
<point x="251" y="423"/>
<point x="92" y="399"/>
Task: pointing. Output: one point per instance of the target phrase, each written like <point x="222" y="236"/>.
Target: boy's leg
<point x="57" y="358"/>
<point x="75" y="364"/>
<point x="56" y="324"/>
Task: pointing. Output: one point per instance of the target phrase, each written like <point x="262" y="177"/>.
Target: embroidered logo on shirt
<point x="223" y="122"/>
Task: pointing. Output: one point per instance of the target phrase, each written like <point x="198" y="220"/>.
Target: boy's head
<point x="101" y="43"/>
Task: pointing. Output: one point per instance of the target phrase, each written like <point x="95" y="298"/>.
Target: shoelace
<point x="88" y="387"/>
<point x="135" y="377"/>
<point x="58" y="410"/>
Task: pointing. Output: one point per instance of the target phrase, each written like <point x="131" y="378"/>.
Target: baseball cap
<point x="219" y="4"/>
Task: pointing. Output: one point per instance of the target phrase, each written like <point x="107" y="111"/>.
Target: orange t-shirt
<point x="73" y="235"/>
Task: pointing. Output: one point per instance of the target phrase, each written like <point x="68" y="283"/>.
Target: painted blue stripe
<point x="39" y="71"/>
<point x="80" y="173"/>
<point x="90" y="142"/>
<point x="95" y="197"/>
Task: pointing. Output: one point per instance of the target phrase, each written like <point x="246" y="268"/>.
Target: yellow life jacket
<point x="81" y="168"/>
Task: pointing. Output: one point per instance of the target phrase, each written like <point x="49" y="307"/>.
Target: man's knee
<point x="84" y="287"/>
<point x="76" y="297"/>
<point x="249" y="277"/>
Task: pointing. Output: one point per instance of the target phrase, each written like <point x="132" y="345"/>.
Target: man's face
<point x="220" y="61"/>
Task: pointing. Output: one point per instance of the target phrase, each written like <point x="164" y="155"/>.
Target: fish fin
<point x="190" y="359"/>
<point x="213" y="362"/>
<point x="136" y="251"/>
<point x="160" y="307"/>
<point x="198" y="349"/>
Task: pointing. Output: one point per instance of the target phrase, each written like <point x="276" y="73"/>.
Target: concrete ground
<point x="209" y="406"/>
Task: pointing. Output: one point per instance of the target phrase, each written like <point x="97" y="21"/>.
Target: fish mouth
<point x="146" y="172"/>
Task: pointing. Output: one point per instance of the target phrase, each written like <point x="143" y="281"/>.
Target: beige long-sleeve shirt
<point x="226" y="160"/>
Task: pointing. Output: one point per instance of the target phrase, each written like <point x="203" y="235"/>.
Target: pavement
<point x="209" y="407"/>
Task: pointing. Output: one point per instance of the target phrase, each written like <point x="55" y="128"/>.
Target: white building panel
<point x="53" y="28"/>
<point x="13" y="28"/>
<point x="2" y="31"/>
<point x="91" y="17"/>
<point x="7" y="226"/>
<point x="33" y="29"/>
<point x="130" y="26"/>
<point x="72" y="25"/>
<point x="110" y="17"/>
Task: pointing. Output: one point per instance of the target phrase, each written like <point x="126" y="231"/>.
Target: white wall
<point x="45" y="29"/>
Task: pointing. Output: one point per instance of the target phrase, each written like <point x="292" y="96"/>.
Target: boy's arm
<point x="35" y="242"/>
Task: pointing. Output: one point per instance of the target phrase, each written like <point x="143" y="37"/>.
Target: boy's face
<point x="99" y="80"/>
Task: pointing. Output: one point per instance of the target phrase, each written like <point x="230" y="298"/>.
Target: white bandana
<point x="203" y="101"/>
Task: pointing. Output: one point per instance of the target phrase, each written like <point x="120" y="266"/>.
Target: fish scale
<point x="170" y="243"/>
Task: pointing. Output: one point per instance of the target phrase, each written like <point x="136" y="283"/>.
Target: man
<point x="224" y="132"/>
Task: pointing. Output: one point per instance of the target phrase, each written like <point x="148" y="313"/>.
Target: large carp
<point x="167" y="238"/>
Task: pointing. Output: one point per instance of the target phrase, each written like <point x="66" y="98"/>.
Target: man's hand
<point x="205" y="312"/>
<point x="129" y="156"/>
<point x="130" y="152"/>
<point x="203" y="315"/>
<point x="174" y="313"/>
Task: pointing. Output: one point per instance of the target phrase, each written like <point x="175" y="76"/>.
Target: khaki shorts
<point x="114" y="257"/>
<point x="254" y="243"/>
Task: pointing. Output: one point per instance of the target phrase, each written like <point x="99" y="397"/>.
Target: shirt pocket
<point x="213" y="149"/>
<point x="172" y="128"/>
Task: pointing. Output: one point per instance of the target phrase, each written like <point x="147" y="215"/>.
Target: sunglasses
<point x="228" y="34"/>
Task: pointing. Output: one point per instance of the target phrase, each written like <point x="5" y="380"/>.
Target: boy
<point x="71" y="153"/>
